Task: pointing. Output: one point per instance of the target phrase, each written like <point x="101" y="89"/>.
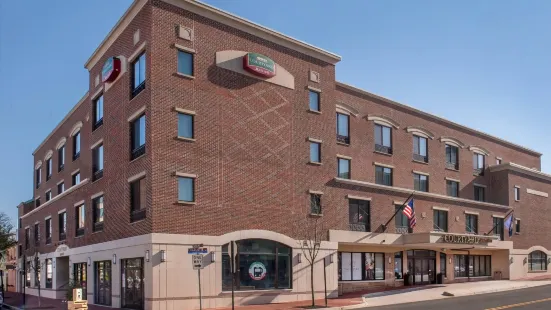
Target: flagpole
<point x="506" y="216"/>
<point x="385" y="226"/>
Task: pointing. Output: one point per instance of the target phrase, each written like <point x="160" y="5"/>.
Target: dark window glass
<point x="48" y="196"/>
<point x="49" y="231"/>
<point x="420" y="149"/>
<point x="37" y="202"/>
<point x="479" y="193"/>
<point x="472" y="266"/>
<point x="185" y="63"/>
<point x="137" y="200"/>
<point x="49" y="273"/>
<point x="383" y="175"/>
<point x="517" y="227"/>
<point x="76" y="145"/>
<point x="361" y="266"/>
<point x="27" y="238"/>
<point x="452" y="157"/>
<point x="478" y="164"/>
<point x="440" y="220"/>
<point x="60" y="188"/>
<point x="443" y="263"/>
<point x="517" y="193"/>
<point x="383" y="139"/>
<point x="62" y="220"/>
<point x="185" y="125"/>
<point x="186" y="189"/>
<point x="76" y="178"/>
<point x="80" y="277"/>
<point x="103" y="283"/>
<point x="61" y="158"/>
<point x="398" y="264"/>
<point x="138" y="73"/>
<point x="98" y="112"/>
<point x="401" y="221"/>
<point x="36" y="234"/>
<point x="359" y="215"/>
<point x="314" y="98"/>
<point x="471" y="223"/>
<point x="420" y="182"/>
<point x="498" y="227"/>
<point x="537" y="261"/>
<point x="343" y="166"/>
<point x="38" y="177"/>
<point x="262" y="265"/>
<point x="97" y="166"/>
<point x="315" y="152"/>
<point x="315" y="203"/>
<point x="343" y="128"/>
<point x="80" y="220"/>
<point x="97" y="204"/>
<point x="48" y="169"/>
<point x="138" y="137"/>
<point x="452" y="188"/>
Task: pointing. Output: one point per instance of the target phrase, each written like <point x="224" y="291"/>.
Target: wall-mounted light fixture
<point x="389" y="260"/>
<point x="450" y="260"/>
<point x="163" y="256"/>
<point x="549" y="260"/>
<point x="114" y="259"/>
<point x="147" y="255"/>
<point x="299" y="258"/>
<point x="212" y="257"/>
<point x="511" y="260"/>
<point x="89" y="261"/>
<point x="331" y="258"/>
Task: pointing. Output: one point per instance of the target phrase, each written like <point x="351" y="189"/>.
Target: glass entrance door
<point x="103" y="283"/>
<point x="423" y="270"/>
<point x="132" y="283"/>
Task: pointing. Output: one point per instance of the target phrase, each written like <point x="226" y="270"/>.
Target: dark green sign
<point x="259" y="64"/>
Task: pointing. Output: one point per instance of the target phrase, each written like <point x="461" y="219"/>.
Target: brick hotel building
<point x="200" y="127"/>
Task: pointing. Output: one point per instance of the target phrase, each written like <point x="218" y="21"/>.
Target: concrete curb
<point x="4" y="305"/>
<point x="357" y="306"/>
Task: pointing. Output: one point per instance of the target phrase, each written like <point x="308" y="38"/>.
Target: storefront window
<point x="472" y="265"/>
<point x="398" y="265"/>
<point x="261" y="264"/>
<point x="443" y="264"/>
<point x="49" y="273"/>
<point x="361" y="266"/>
<point x="537" y="261"/>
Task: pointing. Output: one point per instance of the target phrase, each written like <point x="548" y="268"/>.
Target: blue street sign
<point x="197" y="251"/>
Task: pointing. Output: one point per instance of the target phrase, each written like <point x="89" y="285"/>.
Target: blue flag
<point x="509" y="223"/>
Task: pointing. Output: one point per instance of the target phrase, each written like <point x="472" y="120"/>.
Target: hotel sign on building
<point x="465" y="239"/>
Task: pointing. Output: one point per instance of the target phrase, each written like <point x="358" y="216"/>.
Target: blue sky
<point x="484" y="64"/>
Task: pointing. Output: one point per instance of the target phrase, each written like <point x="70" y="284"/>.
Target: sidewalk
<point x="15" y="301"/>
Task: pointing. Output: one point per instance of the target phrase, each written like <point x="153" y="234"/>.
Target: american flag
<point x="409" y="211"/>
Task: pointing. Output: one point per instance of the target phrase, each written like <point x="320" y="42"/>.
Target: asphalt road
<point x="524" y="299"/>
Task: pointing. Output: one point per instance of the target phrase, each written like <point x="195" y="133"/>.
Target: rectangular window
<point x="359" y="215"/>
<point x="48" y="196"/>
<point x="36" y="235"/>
<point x="315" y="203"/>
<point x="49" y="231"/>
<point x="61" y="158"/>
<point x="479" y="193"/>
<point x="80" y="220"/>
<point x="97" y="166"/>
<point x="185" y="125"/>
<point x="62" y="226"/>
<point x="27" y="238"/>
<point x="76" y="146"/>
<point x="343" y="168"/>
<point x="28" y="274"/>
<point x="103" y="283"/>
<point x="37" y="202"/>
<point x="98" y="112"/>
<point x="138" y="137"/>
<point x="314" y="100"/>
<point x="452" y="157"/>
<point x="383" y="175"/>
<point x="343" y="128"/>
<point x="38" y="177"/>
<point x="361" y="266"/>
<point x="452" y="188"/>
<point x="517" y="193"/>
<point x="420" y="182"/>
<point x="471" y="223"/>
<point x="420" y="149"/>
<point x="472" y="266"/>
<point x="498" y="161"/>
<point x="79" y="277"/>
<point x="186" y="189"/>
<point x="315" y="152"/>
<point x="440" y="220"/>
<point x="398" y="263"/>
<point x="478" y="164"/>
<point x="443" y="264"/>
<point x="97" y="205"/>
<point x="60" y="188"/>
<point x="185" y="63"/>
<point x="383" y="139"/>
<point x="48" y="169"/>
<point x="75" y="179"/>
<point x="137" y="200"/>
<point x="517" y="226"/>
<point x="498" y="228"/>
<point x="138" y="75"/>
<point x="49" y="273"/>
<point x="401" y="221"/>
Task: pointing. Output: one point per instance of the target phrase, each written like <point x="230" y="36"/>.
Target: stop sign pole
<point x="233" y="254"/>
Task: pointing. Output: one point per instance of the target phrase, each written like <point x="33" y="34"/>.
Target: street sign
<point x="198" y="250"/>
<point x="197" y="261"/>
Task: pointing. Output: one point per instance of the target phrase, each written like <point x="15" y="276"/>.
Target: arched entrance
<point x="422" y="266"/>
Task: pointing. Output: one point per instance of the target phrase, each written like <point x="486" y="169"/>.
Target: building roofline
<point x="521" y="169"/>
<point x="62" y="121"/>
<point x="410" y="108"/>
<point x="219" y="15"/>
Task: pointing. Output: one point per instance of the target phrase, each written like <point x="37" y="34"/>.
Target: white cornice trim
<point x="184" y="111"/>
<point x="382" y="165"/>
<point x="76" y="128"/>
<point x="49" y="155"/>
<point x="76" y="204"/>
<point x="136" y="177"/>
<point x="479" y="185"/>
<point x="100" y="141"/>
<point x="471" y="212"/>
<point x="453" y="141"/>
<point x="315" y="140"/>
<point x="136" y="114"/>
<point x="61" y="143"/>
<point x="96" y="195"/>
<point x="425" y="194"/>
<point x="346" y="109"/>
<point x="479" y="150"/>
<point x="454" y="180"/>
<point x="315" y="192"/>
<point x="420" y="131"/>
<point x="420" y="172"/>
<point x="434" y="117"/>
<point x="38" y="165"/>
<point x="383" y="120"/>
<point x="521" y="169"/>
<point x="358" y="197"/>
<point x="69" y="190"/>
<point x="344" y="157"/>
<point x="185" y="175"/>
<point x="440" y="208"/>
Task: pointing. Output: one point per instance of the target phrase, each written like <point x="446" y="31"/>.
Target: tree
<point x="36" y="266"/>
<point x="7" y="233"/>
<point x="313" y="232"/>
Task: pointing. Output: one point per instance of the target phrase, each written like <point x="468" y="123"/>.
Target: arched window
<point x="261" y="265"/>
<point x="537" y="260"/>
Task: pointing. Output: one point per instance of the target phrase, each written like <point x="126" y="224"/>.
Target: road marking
<point x="520" y="304"/>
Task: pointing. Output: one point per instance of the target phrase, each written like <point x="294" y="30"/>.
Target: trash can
<point x="497" y="275"/>
<point x="408" y="279"/>
<point x="439" y="278"/>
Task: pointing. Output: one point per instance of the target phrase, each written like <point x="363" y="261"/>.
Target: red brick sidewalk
<point x="31" y="302"/>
